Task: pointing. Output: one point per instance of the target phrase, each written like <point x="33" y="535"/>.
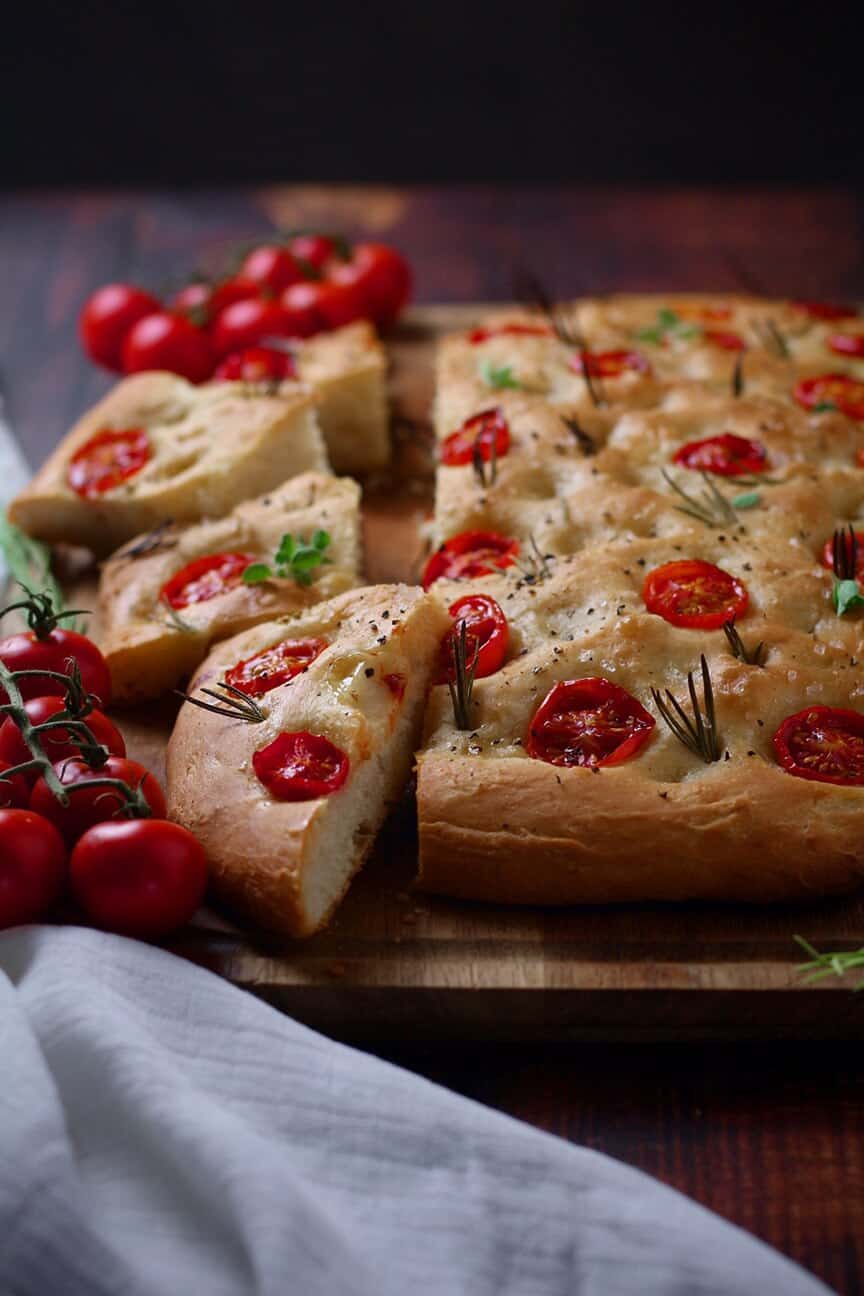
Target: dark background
<point x="119" y="93"/>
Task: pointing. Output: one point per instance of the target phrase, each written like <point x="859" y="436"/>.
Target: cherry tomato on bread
<point x="205" y="578"/>
<point x="824" y="744"/>
<point x="588" y="722"/>
<point x="726" y="455"/>
<point x="107" y="460"/>
<point x="470" y="554"/>
<point x="694" y="594"/>
<point x="481" y="433"/>
<point x="274" y="666"/>
<point x="301" y="766"/>
<point x="486" y="637"/>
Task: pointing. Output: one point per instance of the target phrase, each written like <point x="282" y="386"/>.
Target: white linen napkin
<point x="163" y="1132"/>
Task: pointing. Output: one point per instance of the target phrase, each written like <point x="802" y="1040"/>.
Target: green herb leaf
<point x="821" y="965"/>
<point x="498" y="378"/>
<point x="668" y="323"/>
<point x="825" y="407"/>
<point x="746" y="501"/>
<point x="255" y="573"/>
<point x="29" y="561"/>
<point x="847" y="595"/>
<point x="295" y="558"/>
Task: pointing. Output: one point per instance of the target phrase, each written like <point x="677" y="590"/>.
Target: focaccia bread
<point x="347" y="371"/>
<point x="339" y="735"/>
<point x="156" y="627"/>
<point x="158" y="447"/>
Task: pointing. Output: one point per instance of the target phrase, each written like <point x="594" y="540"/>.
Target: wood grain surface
<point x="768" y="1133"/>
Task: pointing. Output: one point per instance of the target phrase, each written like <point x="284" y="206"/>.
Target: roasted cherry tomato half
<point x="827" y="557"/>
<point x="610" y="364"/>
<point x="89" y="801"/>
<point x="694" y="594"/>
<point x="470" y="554"/>
<point x="588" y="722"/>
<point x="835" y="389"/>
<point x="170" y="342"/>
<point x="274" y="666"/>
<point x="508" y="330"/>
<point x="14" y="790"/>
<point x="107" y="460"/>
<point x="825" y="310"/>
<point x="58" y="744"/>
<point x="823" y="743"/>
<point x="847" y="344"/>
<point x="483" y="431"/>
<point x="301" y="766"/>
<point x="205" y="578"/>
<point x="32" y="866"/>
<point x="53" y="652"/>
<point x="270" y="268"/>
<point x="139" y="877"/>
<point x="245" y="323"/>
<point x="727" y="341"/>
<point x="726" y="455"/>
<point x="257" y="365"/>
<point x="486" y="637"/>
<point x="107" y="318"/>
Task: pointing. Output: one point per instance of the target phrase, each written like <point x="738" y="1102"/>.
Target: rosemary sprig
<point x="738" y="374"/>
<point x="712" y="507"/>
<point x="768" y="335"/>
<point x="479" y="464"/>
<point x="462" y="686"/>
<point x="500" y="377"/>
<point x="750" y="656"/>
<point x="233" y="702"/>
<point x="295" y="558"/>
<point x="533" y="563"/>
<point x="152" y="542"/>
<point x="821" y="965"/>
<point x="529" y="289"/>
<point x="586" y="442"/>
<point x="698" y="734"/>
<point x="174" y="620"/>
<point x="844" y="553"/>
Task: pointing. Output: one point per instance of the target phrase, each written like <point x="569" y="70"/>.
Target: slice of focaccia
<point x="287" y="801"/>
<point x="347" y="371"/>
<point x="164" y="599"/>
<point x="158" y="447"/>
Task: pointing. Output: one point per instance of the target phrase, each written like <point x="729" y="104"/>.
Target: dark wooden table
<point x="770" y="1135"/>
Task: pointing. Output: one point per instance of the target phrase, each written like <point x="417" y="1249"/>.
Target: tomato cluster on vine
<point x="287" y="288"/>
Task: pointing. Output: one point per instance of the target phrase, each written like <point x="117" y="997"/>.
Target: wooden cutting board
<point x="395" y="963"/>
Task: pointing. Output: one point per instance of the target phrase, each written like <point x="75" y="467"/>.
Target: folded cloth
<point x="163" y="1132"/>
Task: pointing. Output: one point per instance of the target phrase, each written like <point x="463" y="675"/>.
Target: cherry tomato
<point x="170" y="342"/>
<point x="274" y="666"/>
<point x="300" y="308"/>
<point x="312" y="249"/>
<point x="727" y="455"/>
<point x="339" y="299"/>
<point x="32" y="866"/>
<point x="470" y="554"/>
<point x="52" y="652"/>
<point x="244" y="323"/>
<point x="256" y="365"/>
<point x="827" y="558"/>
<point x="484" y="430"/>
<point x="588" y="722"/>
<point x="271" y="268"/>
<point x="194" y="301"/>
<point x="847" y="344"/>
<point x="486" y="637"/>
<point x="822" y="743"/>
<point x="825" y="310"/>
<point x="14" y="791"/>
<point x="301" y="766"/>
<point x="726" y="341"/>
<point x="205" y="578"/>
<point x="57" y="743"/>
<point x="478" y="335"/>
<point x="694" y="594"/>
<point x="89" y="805"/>
<point x="383" y="276"/>
<point x="139" y="877"/>
<point x="610" y="364"/>
<point x="107" y="318"/>
<point x="845" y="393"/>
<point x="107" y="460"/>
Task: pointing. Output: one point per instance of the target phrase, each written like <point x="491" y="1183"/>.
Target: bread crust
<point x="347" y="371"/>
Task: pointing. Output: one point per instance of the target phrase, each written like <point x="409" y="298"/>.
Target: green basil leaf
<point x="255" y="573"/>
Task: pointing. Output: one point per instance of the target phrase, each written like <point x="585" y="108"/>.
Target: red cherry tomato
<point x="383" y="277"/>
<point x="478" y="335"/>
<point x="107" y="318"/>
<point x="245" y="323"/>
<point x="228" y="291"/>
<point x="257" y="365"/>
<point x="14" y="791"/>
<point x="726" y="341"/>
<point x="271" y="268"/>
<point x="57" y="743"/>
<point x="486" y="637"/>
<point x="727" y="455"/>
<point x="52" y="652"/>
<point x="694" y="594"/>
<point x="312" y="249"/>
<point x="339" y="299"/>
<point x="170" y="342"/>
<point x="194" y="301"/>
<point x="485" y="430"/>
<point x="107" y="460"/>
<point x="139" y="877"/>
<point x="32" y="866"/>
<point x="610" y="364"/>
<point x="839" y="390"/>
<point x="301" y="767"/>
<point x="205" y="578"/>
<point x="274" y="666"/>
<point x="847" y="344"/>
<point x="89" y="804"/>
<point x="588" y="722"/>
<point x="300" y="309"/>
<point x="827" y="557"/>
<point x="470" y="554"/>
<point x="822" y="743"/>
<point x="825" y="310"/>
